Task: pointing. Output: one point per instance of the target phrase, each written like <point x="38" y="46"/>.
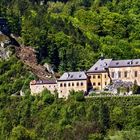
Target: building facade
<point x="69" y="81"/>
<point x="126" y="70"/>
<point x="101" y="74"/>
<point x="98" y="74"/>
<point x="104" y="71"/>
<point x="37" y="87"/>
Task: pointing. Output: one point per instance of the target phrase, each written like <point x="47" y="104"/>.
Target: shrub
<point x="79" y="96"/>
<point x="47" y="96"/>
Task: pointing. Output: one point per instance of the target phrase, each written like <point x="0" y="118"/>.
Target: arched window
<point x="81" y="83"/>
<point x="61" y="85"/>
<point x="72" y="84"/>
<point x="69" y="84"/>
<point x="65" y="85"/>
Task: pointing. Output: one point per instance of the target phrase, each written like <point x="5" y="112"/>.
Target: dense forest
<point x="48" y="118"/>
<point x="70" y="35"/>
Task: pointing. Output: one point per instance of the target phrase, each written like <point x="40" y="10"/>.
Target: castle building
<point x="37" y="87"/>
<point x="101" y="74"/>
<point x="69" y="81"/>
<point x="104" y="71"/>
<point x="98" y="76"/>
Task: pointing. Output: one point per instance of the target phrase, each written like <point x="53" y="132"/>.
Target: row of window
<point x="50" y="86"/>
<point x="125" y="74"/>
<point x="98" y="84"/>
<point x="71" y="84"/>
<point x="97" y="76"/>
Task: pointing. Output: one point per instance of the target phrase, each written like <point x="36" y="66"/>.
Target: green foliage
<point x="70" y="35"/>
<point x="95" y="136"/>
<point x="77" y="96"/>
<point x="19" y="133"/>
<point x="64" y="31"/>
<point x="32" y="118"/>
<point x="125" y="135"/>
<point x="135" y="87"/>
<point x="47" y="97"/>
<point x="14" y="76"/>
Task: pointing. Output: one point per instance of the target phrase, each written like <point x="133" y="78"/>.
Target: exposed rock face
<point x="25" y="53"/>
<point x="4" y="49"/>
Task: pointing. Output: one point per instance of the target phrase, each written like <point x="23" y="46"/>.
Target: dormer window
<point x="131" y="62"/>
<point x="80" y="75"/>
<point x="137" y="62"/>
<point x="71" y="76"/>
<point x="96" y="68"/>
<point x="117" y="63"/>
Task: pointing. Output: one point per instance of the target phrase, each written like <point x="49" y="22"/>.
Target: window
<point x="98" y="76"/>
<point x="89" y="77"/>
<point x="125" y="74"/>
<point x="71" y="76"/>
<point x="99" y="84"/>
<point x="81" y="83"/>
<point x="69" y="84"/>
<point x="61" y="85"/>
<point x="119" y="74"/>
<point x="105" y="75"/>
<point x="94" y="84"/>
<point x="77" y="83"/>
<point x="64" y="84"/>
<point x="94" y="77"/>
<point x="136" y="74"/>
<point x="105" y="83"/>
<point x="96" y="68"/>
<point x="112" y="74"/>
<point x="72" y="84"/>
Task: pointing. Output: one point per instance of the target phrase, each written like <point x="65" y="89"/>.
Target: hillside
<point x="18" y="64"/>
<point x="67" y="35"/>
<point x="35" y="118"/>
<point x="71" y="35"/>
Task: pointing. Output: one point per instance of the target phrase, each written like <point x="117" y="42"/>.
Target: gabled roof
<point x="100" y="66"/>
<point x="125" y="63"/>
<point x="71" y="76"/>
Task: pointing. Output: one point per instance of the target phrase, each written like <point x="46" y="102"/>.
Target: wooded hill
<point x="48" y="118"/>
<point x="72" y="34"/>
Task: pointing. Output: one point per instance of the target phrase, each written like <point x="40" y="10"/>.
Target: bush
<point x="47" y="97"/>
<point x="20" y="133"/>
<point x="95" y="136"/>
<point x="78" y="96"/>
